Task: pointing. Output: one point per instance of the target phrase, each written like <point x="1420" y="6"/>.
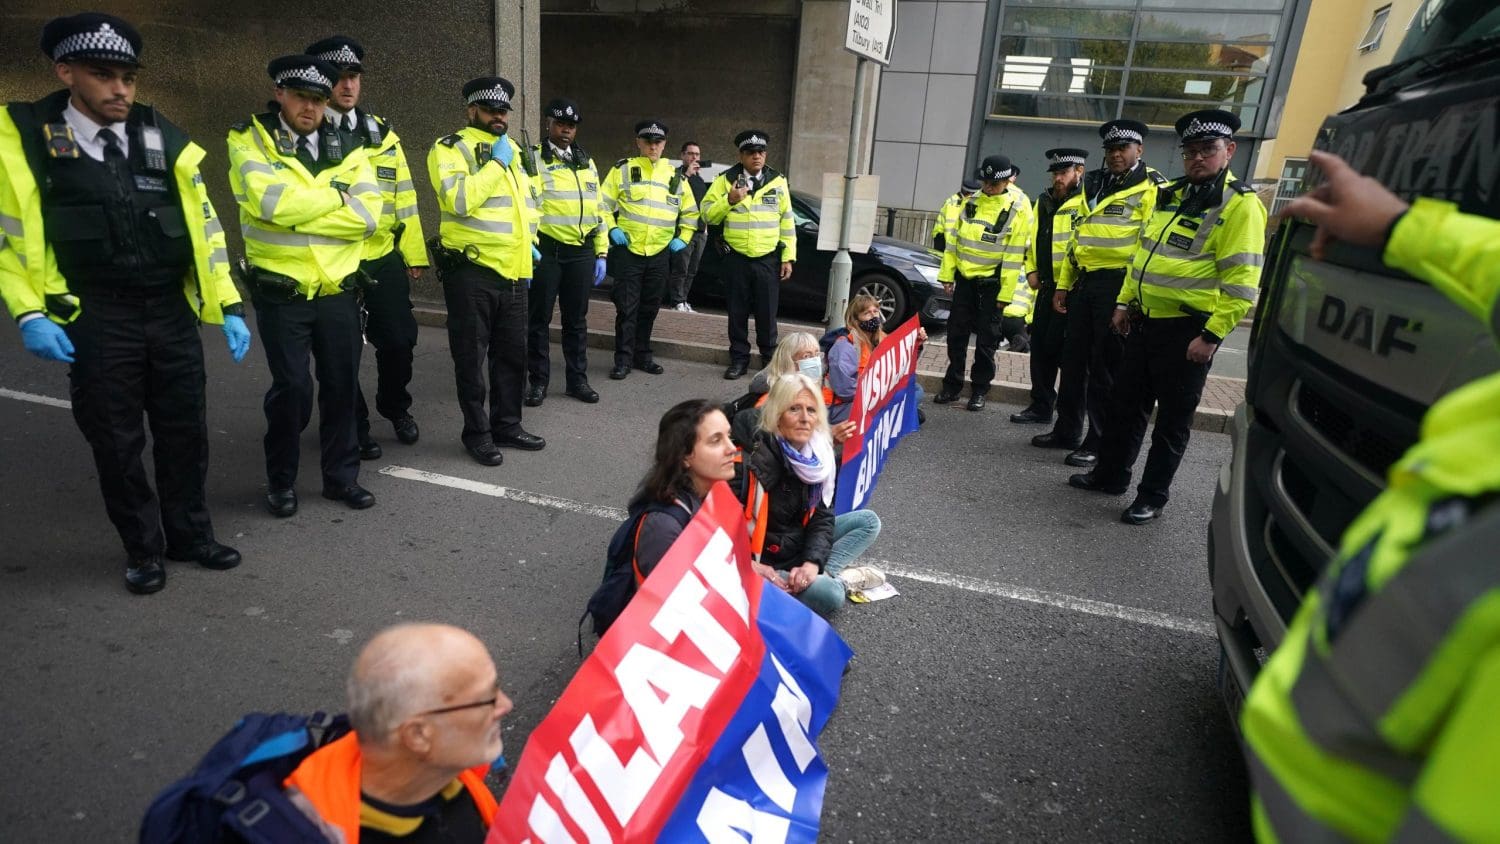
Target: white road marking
<point x="1059" y="600"/>
<point x="35" y="399"/>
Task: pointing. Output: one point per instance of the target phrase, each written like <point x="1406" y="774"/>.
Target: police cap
<point x="1120" y="132"/>
<point x="303" y="73"/>
<point x="1207" y="125"/>
<point x="92" y="36"/>
<point x="492" y="92"/>
<point x="1063" y="158"/>
<point x="651" y="130"/>
<point x="565" y="110"/>
<point x="341" y="51"/>
<point x="994" y="168"/>
<point x="969" y="185"/>
<point x="752" y="140"/>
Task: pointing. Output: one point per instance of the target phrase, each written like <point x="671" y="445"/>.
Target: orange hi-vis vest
<point x="329" y="779"/>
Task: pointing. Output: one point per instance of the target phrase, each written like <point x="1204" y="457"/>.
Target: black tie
<point x="304" y="152"/>
<point x="348" y="123"/>
<point x="111" y="143"/>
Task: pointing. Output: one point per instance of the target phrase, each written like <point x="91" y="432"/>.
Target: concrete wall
<point x="1362" y="63"/>
<point x="205" y="66"/>
<point x="823" y="102"/>
<point x="926" y="102"/>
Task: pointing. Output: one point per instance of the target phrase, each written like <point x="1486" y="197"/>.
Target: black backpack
<point x="618" y="585"/>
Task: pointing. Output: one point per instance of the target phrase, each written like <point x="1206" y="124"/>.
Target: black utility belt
<point x="978" y="279"/>
<point x="281" y="289"/>
<point x="1085" y="272"/>
<point x="124" y="289"/>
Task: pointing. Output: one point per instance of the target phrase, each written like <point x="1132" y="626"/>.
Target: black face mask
<point x="871" y="325"/>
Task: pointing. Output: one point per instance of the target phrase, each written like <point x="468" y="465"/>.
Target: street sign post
<point x="870" y="37"/>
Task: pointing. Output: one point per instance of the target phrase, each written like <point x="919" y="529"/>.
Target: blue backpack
<point x="235" y="792"/>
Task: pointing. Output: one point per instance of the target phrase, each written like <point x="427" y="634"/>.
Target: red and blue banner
<point x="697" y="715"/>
<point x="884" y="411"/>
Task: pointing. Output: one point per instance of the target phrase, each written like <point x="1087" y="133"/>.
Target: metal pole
<point x="843" y="265"/>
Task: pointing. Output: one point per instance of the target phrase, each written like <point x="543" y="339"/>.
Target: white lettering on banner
<point x="717" y="566"/>
<point x="886" y="371"/>
<point x="722" y="817"/>
<point x="794" y="711"/>
<point x="645" y="675"/>
<point x="766" y="771"/>
<point x="623" y="786"/>
<point x="891" y="424"/>
<point x="546" y="826"/>
<point x="683" y="612"/>
<point x="562" y="782"/>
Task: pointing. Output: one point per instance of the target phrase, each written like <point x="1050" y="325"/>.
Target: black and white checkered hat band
<point x="752" y="141"/>
<point x="1068" y="159"/>
<point x="1201" y="127"/>
<point x="996" y="175"/>
<point x="495" y="94"/>
<point x="653" y="129"/>
<point x="103" y="42"/>
<point x="342" y="55"/>
<point x="1118" y="134"/>
<point x="309" y="75"/>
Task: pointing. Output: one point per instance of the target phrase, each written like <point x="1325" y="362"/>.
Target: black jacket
<point x="789" y="543"/>
<point x="659" y="531"/>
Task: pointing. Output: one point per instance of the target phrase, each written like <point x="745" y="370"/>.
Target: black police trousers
<point x="137" y="351"/>
<point x="751" y="285"/>
<point x="487" y="326"/>
<point x="640" y="283"/>
<point x="1155" y="374"/>
<point x="327" y="328"/>
<point x="976" y="312"/>
<point x="391" y="328"/>
<point x="1049" y="329"/>
<point x="1091" y="356"/>
<point x="564" y="277"/>
<point x="1015" y="330"/>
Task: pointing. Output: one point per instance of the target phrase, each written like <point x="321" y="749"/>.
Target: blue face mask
<point x="812" y="368"/>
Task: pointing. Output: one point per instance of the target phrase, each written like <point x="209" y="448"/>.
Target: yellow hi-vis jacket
<point x="650" y="202"/>
<point x="761" y="222"/>
<point x="30" y="282"/>
<point x="1109" y="226"/>
<point x="1376" y="717"/>
<point x="568" y="196"/>
<point x="1022" y="302"/>
<point x="989" y="241"/>
<point x="1201" y="254"/>
<point x="483" y="203"/>
<point x="295" y="223"/>
<point x="398" y="196"/>
<point x="1063" y="215"/>
<point x="947" y="215"/>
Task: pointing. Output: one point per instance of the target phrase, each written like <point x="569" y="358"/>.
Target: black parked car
<point x="901" y="275"/>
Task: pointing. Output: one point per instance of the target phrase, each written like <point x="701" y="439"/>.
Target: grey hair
<point x="389" y="681"/>
<point x="784" y="358"/>
<point x="783" y="393"/>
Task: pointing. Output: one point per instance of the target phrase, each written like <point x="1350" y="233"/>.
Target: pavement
<point x="1046" y="674"/>
<point x="703" y="337"/>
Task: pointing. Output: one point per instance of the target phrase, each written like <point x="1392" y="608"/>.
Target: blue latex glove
<point x="676" y="245"/>
<point x="618" y="237"/>
<point x="238" y="336"/>
<point x="502" y="151"/>
<point x="45" y="339"/>
<point x="536" y="254"/>
<point x="599" y="264"/>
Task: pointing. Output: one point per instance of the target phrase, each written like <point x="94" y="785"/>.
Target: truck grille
<point x="1369" y="447"/>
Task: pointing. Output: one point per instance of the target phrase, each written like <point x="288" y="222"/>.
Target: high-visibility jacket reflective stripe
<point x="761" y="222"/>
<point x="947" y="215"/>
<point x="1062" y="232"/>
<point x="1375" y="718"/>
<point x="330" y="780"/>
<point x="1208" y="263"/>
<point x="1021" y="301"/>
<point x="398" y="200"/>
<point x="298" y="224"/>
<point x="485" y="208"/>
<point x="568" y="201"/>
<point x="646" y="208"/>
<point x="1106" y="233"/>
<point x="974" y="251"/>
<point x="28" y="268"/>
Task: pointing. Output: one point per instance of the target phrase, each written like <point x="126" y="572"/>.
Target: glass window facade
<point x="1149" y="60"/>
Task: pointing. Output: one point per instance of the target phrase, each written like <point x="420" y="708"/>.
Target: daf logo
<point x="1359" y="325"/>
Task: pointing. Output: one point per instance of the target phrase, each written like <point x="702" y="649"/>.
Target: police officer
<point x="485" y="258"/>
<point x="982" y="265"/>
<point x="1053" y="213"/>
<point x="574" y="247"/>
<point x="948" y="213"/>
<point x="1015" y="318"/>
<point x="306" y="207"/>
<point x="110" y="254"/>
<point x="1374" y="719"/>
<point x="1117" y="201"/>
<point x="393" y="257"/>
<point x="754" y="204"/>
<point x="650" y="213"/>
<point x="1192" y="279"/>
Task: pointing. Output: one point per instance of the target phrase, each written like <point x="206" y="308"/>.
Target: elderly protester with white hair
<point x="425" y="704"/>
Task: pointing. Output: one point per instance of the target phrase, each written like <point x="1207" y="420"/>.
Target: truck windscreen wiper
<point x="1436" y="60"/>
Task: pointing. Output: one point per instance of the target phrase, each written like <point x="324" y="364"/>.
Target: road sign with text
<point x="872" y="29"/>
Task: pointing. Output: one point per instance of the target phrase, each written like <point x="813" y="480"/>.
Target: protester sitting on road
<point x="849" y="354"/>
<point x="425" y="704"/>
<point x="693" y="452"/>
<point x="796" y="544"/>
<point x="796" y="352"/>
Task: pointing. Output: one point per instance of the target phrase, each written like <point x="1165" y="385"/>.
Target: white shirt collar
<point x="564" y="154"/>
<point x="337" y="117"/>
<point x="86" y="132"/>
<point x="313" y="140"/>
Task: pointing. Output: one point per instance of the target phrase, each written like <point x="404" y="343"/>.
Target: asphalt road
<point x="1046" y="674"/>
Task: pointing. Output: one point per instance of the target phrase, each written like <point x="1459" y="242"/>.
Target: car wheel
<point x="886" y="291"/>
